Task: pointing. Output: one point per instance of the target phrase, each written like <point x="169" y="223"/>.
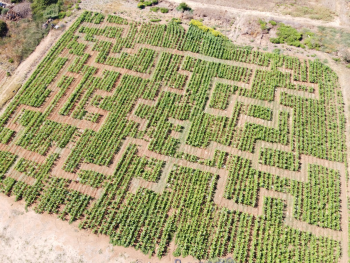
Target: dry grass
<point x="314" y="12"/>
<point x="22" y="38"/>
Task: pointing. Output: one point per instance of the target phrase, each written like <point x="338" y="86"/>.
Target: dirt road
<point x="341" y="22"/>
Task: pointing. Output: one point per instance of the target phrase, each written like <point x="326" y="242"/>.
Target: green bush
<point x="39" y="6"/>
<point x="311" y="41"/>
<point x="164" y="10"/>
<point x="288" y="35"/>
<point x="156" y="20"/>
<point x="263" y="24"/>
<point x="11" y="60"/>
<point x="276" y="51"/>
<point x="155" y="9"/>
<point x="141" y="5"/>
<point x="3" y="28"/>
<point x="4" y="11"/>
<point x="61" y="15"/>
<point x="273" y="23"/>
<point x="176" y="20"/>
<point x="51" y="11"/>
<point x="183" y="7"/>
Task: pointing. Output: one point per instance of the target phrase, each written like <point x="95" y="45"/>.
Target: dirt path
<point x="278" y="17"/>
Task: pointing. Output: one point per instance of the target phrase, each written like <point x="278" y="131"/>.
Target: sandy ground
<point x="30" y="237"/>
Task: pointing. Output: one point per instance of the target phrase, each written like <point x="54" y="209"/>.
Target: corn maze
<point x="152" y="134"/>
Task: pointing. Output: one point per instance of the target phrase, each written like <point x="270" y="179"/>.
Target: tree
<point x="39" y="6"/>
<point x="183" y="7"/>
<point x="3" y="28"/>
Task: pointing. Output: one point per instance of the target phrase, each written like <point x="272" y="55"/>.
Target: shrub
<point x="310" y="40"/>
<point x="263" y="24"/>
<point x="3" y="28"/>
<point x="4" y="11"/>
<point x="273" y="23"/>
<point x="176" y="20"/>
<point x="39" y="6"/>
<point x="164" y="10"/>
<point x="141" y="5"/>
<point x="206" y="28"/>
<point x="11" y="60"/>
<point x="346" y="56"/>
<point x="148" y="3"/>
<point x="276" y="51"/>
<point x="155" y="9"/>
<point x="61" y="15"/>
<point x="289" y="35"/>
<point x="156" y="20"/>
<point x="183" y="7"/>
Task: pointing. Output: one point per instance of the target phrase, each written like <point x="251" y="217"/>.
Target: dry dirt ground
<point x="29" y="237"/>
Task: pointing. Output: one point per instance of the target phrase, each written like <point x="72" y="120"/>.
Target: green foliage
<point x="280" y="159"/>
<point x="154" y="9"/>
<point x="3" y="28"/>
<point x="51" y="11"/>
<point x="61" y="15"/>
<point x="39" y="6"/>
<point x="260" y="112"/>
<point x="311" y="40"/>
<point x="141" y="5"/>
<point x="164" y="10"/>
<point x="156" y="20"/>
<point x="263" y="24"/>
<point x="204" y="28"/>
<point x="6" y="161"/>
<point x="273" y="23"/>
<point x="4" y="11"/>
<point x="289" y="35"/>
<point x="183" y="7"/>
